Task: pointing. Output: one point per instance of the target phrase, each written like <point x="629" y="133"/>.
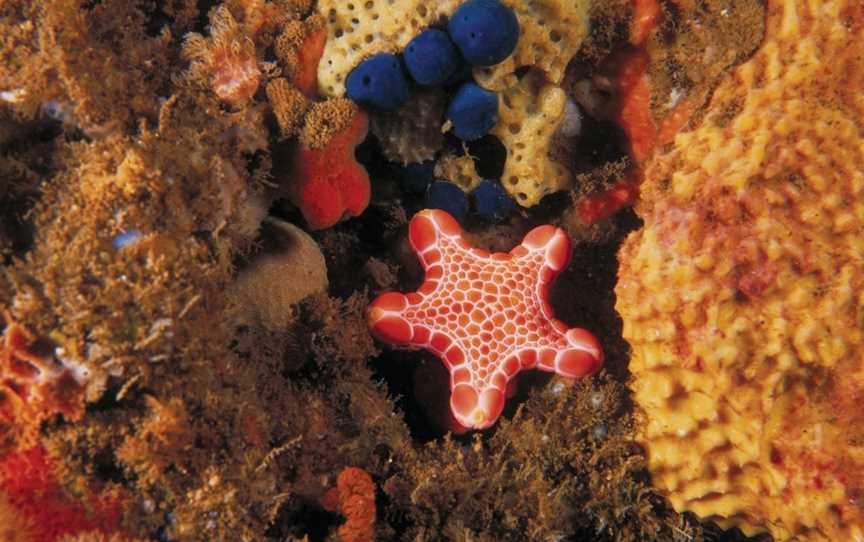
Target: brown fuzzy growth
<point x="97" y="66"/>
<point x="326" y="119"/>
<point x="289" y="105"/>
<point x="163" y="440"/>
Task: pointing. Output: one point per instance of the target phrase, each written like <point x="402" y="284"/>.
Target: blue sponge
<point x="448" y="197"/>
<point x="491" y="201"/>
<point x="486" y="31"/>
<point x="431" y="58"/>
<point x="473" y="111"/>
<point x="418" y="176"/>
<point x="378" y="83"/>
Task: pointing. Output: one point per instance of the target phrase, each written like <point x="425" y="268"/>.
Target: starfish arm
<point x="386" y="320"/>
<point x="554" y="245"/>
<point x="474" y="408"/>
<point x="584" y="356"/>
<point x="579" y="356"/>
<point x="426" y="231"/>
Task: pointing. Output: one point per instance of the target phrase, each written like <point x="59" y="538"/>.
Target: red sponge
<point x="328" y="183"/>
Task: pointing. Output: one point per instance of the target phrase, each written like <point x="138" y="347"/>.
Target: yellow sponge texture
<point x="529" y="115"/>
<point x="551" y="32"/>
<point x="743" y="295"/>
<point x="358" y="29"/>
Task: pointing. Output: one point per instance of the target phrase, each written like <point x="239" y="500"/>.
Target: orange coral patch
<point x="646" y="15"/>
<point x="28" y="482"/>
<point x="635" y="108"/>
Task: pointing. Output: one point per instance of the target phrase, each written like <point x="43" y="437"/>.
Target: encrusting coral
<point x="673" y="59"/>
<point x="287" y="270"/>
<point x="742" y="295"/>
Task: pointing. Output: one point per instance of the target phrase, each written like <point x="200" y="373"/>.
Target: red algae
<point x="28" y="483"/>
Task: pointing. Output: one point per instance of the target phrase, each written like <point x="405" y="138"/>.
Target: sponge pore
<point x="551" y="33"/>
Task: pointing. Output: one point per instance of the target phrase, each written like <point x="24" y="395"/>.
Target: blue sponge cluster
<point x="448" y="197"/>
<point x="431" y="58"/>
<point x="479" y="33"/>
<point x="489" y="201"/>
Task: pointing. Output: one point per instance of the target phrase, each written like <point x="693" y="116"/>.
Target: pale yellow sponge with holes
<point x="550" y="34"/>
<point x="529" y="114"/>
<point x="742" y="296"/>
<point x="358" y="29"/>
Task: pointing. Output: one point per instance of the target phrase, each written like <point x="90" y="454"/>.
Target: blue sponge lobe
<point x="473" y="111"/>
<point x="378" y="83"/>
<point x="431" y="58"/>
<point x="447" y="196"/>
<point x="491" y="201"/>
<point x="485" y="31"/>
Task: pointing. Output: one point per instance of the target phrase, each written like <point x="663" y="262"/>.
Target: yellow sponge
<point x="358" y="29"/>
<point x="551" y="31"/>
<point x="529" y="115"/>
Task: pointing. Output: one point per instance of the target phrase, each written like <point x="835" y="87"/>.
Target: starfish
<point x="487" y="316"/>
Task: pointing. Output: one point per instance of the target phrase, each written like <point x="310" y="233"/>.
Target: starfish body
<point x="487" y="316"/>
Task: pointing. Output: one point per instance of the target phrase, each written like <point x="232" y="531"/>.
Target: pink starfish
<point x="487" y="316"/>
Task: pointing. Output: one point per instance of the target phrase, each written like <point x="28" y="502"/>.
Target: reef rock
<point x="290" y="268"/>
<point x="742" y="295"/>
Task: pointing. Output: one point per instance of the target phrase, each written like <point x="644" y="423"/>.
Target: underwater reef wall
<point x="193" y="224"/>
<point x="742" y="295"/>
